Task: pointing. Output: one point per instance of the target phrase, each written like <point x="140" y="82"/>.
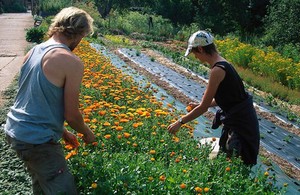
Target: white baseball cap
<point x="199" y="38"/>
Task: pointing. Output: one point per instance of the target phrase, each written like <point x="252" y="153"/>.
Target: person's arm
<point x="216" y="76"/>
<point x="73" y="78"/>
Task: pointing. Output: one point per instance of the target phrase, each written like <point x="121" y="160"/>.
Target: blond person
<point x="240" y="133"/>
<point x="48" y="95"/>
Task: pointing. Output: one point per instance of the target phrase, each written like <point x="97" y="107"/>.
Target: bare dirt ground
<point x="287" y="167"/>
<point x="12" y="46"/>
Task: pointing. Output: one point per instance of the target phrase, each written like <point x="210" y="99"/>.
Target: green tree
<point x="282" y="23"/>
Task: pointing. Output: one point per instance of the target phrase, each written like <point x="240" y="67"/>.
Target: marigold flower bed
<point x="133" y="153"/>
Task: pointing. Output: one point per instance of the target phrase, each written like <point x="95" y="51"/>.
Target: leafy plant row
<point x="134" y="154"/>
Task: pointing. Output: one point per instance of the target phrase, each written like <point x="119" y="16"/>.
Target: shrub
<point x="282" y="23"/>
<point x="35" y="34"/>
<point x="134" y="22"/>
<point x="15" y="7"/>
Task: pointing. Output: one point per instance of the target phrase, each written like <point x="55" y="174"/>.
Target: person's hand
<point x="70" y="139"/>
<point x="88" y="136"/>
<point x="174" y="127"/>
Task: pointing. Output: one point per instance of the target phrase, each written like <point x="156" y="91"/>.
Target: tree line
<point x="274" y="22"/>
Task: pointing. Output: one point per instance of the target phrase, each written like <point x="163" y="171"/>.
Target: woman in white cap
<point x="240" y="133"/>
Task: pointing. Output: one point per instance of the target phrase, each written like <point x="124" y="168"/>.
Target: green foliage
<point x="185" y="32"/>
<point x="282" y="23"/>
<point x="231" y="15"/>
<point x="35" y="34"/>
<point x="14" y="7"/>
<point x="52" y="7"/>
<point x="290" y="50"/>
<point x="136" y="24"/>
<point x="178" y="11"/>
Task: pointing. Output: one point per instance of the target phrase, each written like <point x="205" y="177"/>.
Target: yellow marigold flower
<point x="206" y="189"/>
<point x="150" y="178"/>
<point x="266" y="173"/>
<point x="152" y="159"/>
<point x="152" y="152"/>
<point x="94" y="185"/>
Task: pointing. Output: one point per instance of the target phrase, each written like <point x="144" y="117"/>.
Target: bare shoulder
<point x="63" y="58"/>
<point x="217" y="74"/>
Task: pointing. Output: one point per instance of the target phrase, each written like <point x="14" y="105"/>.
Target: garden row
<point x="133" y="153"/>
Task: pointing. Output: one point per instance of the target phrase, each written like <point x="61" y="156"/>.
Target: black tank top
<point x="231" y="90"/>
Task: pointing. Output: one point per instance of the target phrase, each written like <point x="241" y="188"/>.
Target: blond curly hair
<point x="71" y="22"/>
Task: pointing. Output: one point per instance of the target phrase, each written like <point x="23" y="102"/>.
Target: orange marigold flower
<point x="124" y="120"/>
<point x="95" y="143"/>
<point x="107" y="136"/>
<point x="172" y="154"/>
<point x="70" y="154"/>
<point x="162" y="178"/>
<point x="134" y="144"/>
<point x="106" y="124"/>
<point x="198" y="189"/>
<point x="86" y="120"/>
<point x="119" y="128"/>
<point x="214" y="139"/>
<point x="79" y="134"/>
<point x="119" y="136"/>
<point x="175" y="139"/>
<point x="126" y="135"/>
<point x="188" y="108"/>
<point x="135" y="125"/>
<point x="227" y="169"/>
<point x="182" y="186"/>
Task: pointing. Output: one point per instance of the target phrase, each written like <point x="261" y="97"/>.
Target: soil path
<point x="12" y="46"/>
